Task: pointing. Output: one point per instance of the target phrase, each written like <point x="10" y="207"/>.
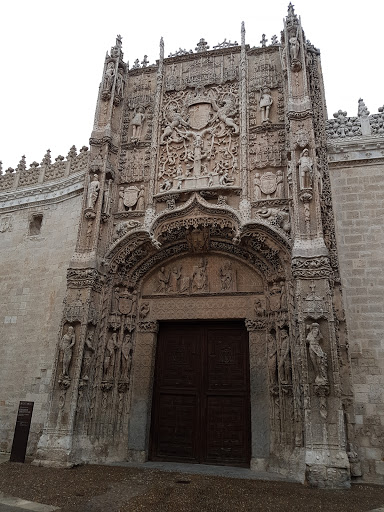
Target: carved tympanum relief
<point x="202" y="275"/>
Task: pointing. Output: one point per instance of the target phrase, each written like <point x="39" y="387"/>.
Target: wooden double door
<point x="201" y="402"/>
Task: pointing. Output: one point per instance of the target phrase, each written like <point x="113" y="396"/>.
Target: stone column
<point x="143" y="366"/>
<point x="259" y="394"/>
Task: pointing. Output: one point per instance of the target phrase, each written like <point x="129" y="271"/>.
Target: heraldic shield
<point x="126" y="303"/>
<point x="130" y="196"/>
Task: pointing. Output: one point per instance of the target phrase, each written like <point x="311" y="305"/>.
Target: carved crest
<point x="314" y="306"/>
<point x="199" y="115"/>
<point x="5" y="223"/>
<point x="130" y="196"/>
<point x="268" y="183"/>
<point x="127" y="303"/>
<point x="301" y="136"/>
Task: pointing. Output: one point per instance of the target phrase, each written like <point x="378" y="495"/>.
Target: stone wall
<point x="36" y="244"/>
<point x="358" y="195"/>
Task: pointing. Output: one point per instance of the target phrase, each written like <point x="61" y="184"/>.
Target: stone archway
<point x="212" y="286"/>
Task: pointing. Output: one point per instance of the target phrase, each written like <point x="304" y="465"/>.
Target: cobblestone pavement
<point x="144" y="488"/>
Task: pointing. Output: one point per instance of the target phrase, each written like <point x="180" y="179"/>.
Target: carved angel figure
<point x="317" y="355"/>
<point x="88" y="351"/>
<point x="67" y="342"/>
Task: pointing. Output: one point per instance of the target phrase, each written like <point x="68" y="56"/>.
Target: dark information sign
<point x="20" y="437"/>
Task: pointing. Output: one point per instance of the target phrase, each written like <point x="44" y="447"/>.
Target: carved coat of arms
<point x="268" y="183"/>
<point x="199" y="115"/>
<point x="127" y="302"/>
<point x="130" y="196"/>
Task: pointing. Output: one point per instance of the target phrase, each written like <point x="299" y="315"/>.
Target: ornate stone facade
<point x="207" y="197"/>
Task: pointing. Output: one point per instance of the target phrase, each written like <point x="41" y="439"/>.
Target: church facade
<point x="203" y="284"/>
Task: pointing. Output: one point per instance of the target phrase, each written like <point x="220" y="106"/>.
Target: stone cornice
<point x="44" y="193"/>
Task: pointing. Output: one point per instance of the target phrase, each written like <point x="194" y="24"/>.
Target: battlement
<point x="344" y="126"/>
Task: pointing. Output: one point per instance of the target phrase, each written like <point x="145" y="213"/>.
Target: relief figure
<point x="67" y="343"/>
<point x="317" y="355"/>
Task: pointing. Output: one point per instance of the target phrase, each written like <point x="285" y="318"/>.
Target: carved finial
<point x="72" y="153"/>
<point x="47" y="158"/>
<point x="119" y="40"/>
<point x="136" y="64"/>
<point x="1" y="167"/>
<point x="22" y="165"/>
<point x="291" y="17"/>
<point x="274" y="40"/>
<point x="202" y="46"/>
<point x="242" y="33"/>
<point x="263" y="41"/>
<point x="145" y="61"/>
<point x="161" y="48"/>
<point x="362" y="110"/>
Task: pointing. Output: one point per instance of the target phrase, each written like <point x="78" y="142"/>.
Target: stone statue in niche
<point x="257" y="187"/>
<point x="283" y="297"/>
<point x="305" y="170"/>
<point x="317" y="355"/>
<point x="93" y="191"/>
<point x="294" y="46"/>
<point x="272" y="359"/>
<point x="119" y="85"/>
<point x="137" y="124"/>
<point x="66" y="345"/>
<point x="227" y="277"/>
<point x="88" y="352"/>
<point x="285" y="367"/>
<point x="140" y="199"/>
<point x="109" y="77"/>
<point x="279" y="184"/>
<point x="200" y="277"/>
<point x="265" y="104"/>
<point x="109" y="357"/>
<point x="126" y="356"/>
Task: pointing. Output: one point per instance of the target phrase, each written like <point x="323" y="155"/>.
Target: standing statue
<point x="67" y="343"/>
<point x="109" y="357"/>
<point x="140" y="199"/>
<point x="88" y="351"/>
<point x="294" y="46"/>
<point x="279" y="184"/>
<point x="119" y="85"/>
<point x="285" y="358"/>
<point x="126" y="356"/>
<point x="109" y="76"/>
<point x="93" y="191"/>
<point x="317" y="355"/>
<point x="137" y="123"/>
<point x="265" y="103"/>
<point x="272" y="359"/>
<point x="163" y="280"/>
<point x="305" y="170"/>
<point x="257" y="187"/>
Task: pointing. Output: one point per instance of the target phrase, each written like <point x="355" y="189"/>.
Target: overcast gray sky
<point x="52" y="56"/>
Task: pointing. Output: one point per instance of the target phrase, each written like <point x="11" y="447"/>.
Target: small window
<point x="35" y="224"/>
